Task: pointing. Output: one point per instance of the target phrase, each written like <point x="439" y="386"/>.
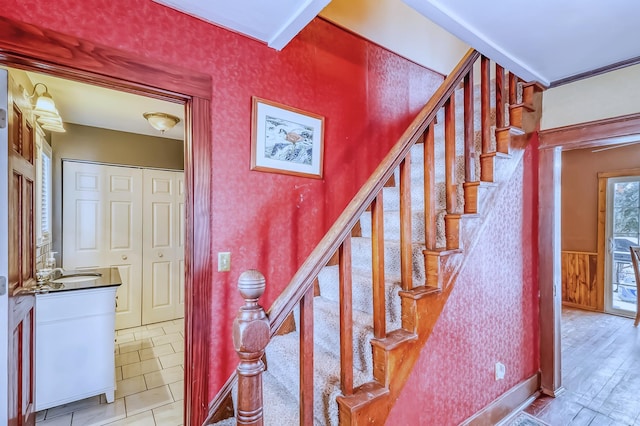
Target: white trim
<point x="456" y="25"/>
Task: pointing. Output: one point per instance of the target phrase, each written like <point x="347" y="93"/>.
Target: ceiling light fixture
<point x="161" y="121"/>
<point x="46" y="110"/>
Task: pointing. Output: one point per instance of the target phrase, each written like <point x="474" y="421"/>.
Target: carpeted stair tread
<point x="392" y="225"/>
<point x="326" y="331"/>
<point x="362" y="292"/>
<point x="361" y="258"/>
<point x="282" y="356"/>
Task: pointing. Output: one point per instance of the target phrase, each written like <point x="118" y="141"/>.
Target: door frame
<point x="32" y="48"/>
<point x="552" y="142"/>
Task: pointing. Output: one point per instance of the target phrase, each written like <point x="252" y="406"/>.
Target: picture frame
<point x="286" y="140"/>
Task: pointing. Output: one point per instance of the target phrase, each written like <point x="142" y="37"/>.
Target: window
<point x="43" y="191"/>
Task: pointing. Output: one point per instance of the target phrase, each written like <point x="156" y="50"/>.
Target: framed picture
<point x="286" y="140"/>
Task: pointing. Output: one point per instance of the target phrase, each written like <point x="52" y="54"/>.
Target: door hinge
<point x="3" y="285"/>
<point x="3" y="118"/>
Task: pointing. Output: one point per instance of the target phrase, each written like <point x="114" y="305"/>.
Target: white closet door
<point x="102" y="227"/>
<point x="163" y="253"/>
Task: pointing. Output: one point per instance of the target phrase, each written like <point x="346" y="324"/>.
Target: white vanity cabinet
<point x="75" y="332"/>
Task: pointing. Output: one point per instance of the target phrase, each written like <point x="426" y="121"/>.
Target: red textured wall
<point x="491" y="315"/>
<point x="267" y="221"/>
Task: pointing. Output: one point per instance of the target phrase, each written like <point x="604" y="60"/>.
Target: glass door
<point x="623" y="231"/>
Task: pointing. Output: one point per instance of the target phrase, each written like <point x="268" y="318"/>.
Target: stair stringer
<point x="395" y="356"/>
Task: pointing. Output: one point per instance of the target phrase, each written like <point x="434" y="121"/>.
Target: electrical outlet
<point x="224" y="261"/>
<point x="501" y="370"/>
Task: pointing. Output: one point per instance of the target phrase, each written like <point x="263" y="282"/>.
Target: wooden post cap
<point x="251" y="285"/>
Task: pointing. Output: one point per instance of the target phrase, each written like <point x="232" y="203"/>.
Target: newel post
<point x="250" y="337"/>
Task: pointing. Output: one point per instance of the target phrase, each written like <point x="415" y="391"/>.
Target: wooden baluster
<point x="513" y="89"/>
<point x="346" y="318"/>
<point x="485" y="104"/>
<point x="469" y="146"/>
<point x="500" y="101"/>
<point x="430" y="198"/>
<point x="377" y="260"/>
<point x="450" y="155"/>
<point x="306" y="358"/>
<point x="250" y="337"/>
<point x="406" y="251"/>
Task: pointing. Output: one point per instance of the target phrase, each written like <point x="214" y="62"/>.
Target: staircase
<point x="346" y="332"/>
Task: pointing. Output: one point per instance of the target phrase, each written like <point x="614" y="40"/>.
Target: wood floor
<point x="600" y="371"/>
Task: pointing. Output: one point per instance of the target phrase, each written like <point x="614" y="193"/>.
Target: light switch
<point x="224" y="261"/>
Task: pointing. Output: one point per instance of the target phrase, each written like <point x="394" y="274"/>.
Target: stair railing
<point x="300" y="290"/>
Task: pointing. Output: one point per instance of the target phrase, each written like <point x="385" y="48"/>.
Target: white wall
<point x="608" y="95"/>
<point x="394" y="25"/>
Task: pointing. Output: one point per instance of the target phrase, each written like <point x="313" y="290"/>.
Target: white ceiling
<point x="543" y="40"/>
<point x="95" y="106"/>
<point x="274" y="22"/>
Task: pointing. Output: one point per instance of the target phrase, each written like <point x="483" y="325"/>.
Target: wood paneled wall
<point x="579" y="279"/>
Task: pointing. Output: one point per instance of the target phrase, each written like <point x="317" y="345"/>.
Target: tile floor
<point x="149" y="381"/>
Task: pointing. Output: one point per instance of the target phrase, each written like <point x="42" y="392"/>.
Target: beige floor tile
<point x="172" y="360"/>
<point x="167" y="338"/>
<point x="100" y="414"/>
<point x="72" y="406"/>
<point x="139" y="368"/>
<point x="173" y="328"/>
<point x="64" y="420"/>
<point x="159" y="324"/>
<point x="142" y="419"/>
<point x="179" y="321"/>
<point x="156" y="351"/>
<point x="164" y="377"/>
<point x="145" y="334"/>
<point x="125" y="338"/>
<point x="178" y="346"/>
<point x="131" y="330"/>
<point x="118" y="374"/>
<point x="135" y="345"/>
<point x="40" y="415"/>
<point x="127" y="358"/>
<point x="148" y="400"/>
<point x="177" y="390"/>
<point x="170" y="414"/>
<point x="130" y="386"/>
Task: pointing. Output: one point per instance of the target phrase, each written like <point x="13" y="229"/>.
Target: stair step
<point x="421" y="292"/>
<point x="392" y="225"/>
<point x="362" y="293"/>
<point x="362" y="396"/>
<point x="326" y="331"/>
<point x="361" y="258"/>
<point x="283" y="362"/>
<point x="394" y="339"/>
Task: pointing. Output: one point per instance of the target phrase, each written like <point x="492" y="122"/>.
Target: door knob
<point x="160" y="255"/>
<point x="124" y="257"/>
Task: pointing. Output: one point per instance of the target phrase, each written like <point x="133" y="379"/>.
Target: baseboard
<point x="508" y="404"/>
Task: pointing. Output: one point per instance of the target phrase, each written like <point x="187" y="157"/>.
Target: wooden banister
<point x="469" y="146"/>
<point x="250" y="338"/>
<point x="499" y="97"/>
<point x="306" y="358"/>
<point x="485" y="103"/>
<point x="377" y="267"/>
<point x="450" y="155"/>
<point x="429" y="189"/>
<point x="346" y="318"/>
<point x="341" y="229"/>
<point x="406" y="248"/>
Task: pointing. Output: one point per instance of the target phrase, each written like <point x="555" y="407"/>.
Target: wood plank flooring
<point x="600" y="371"/>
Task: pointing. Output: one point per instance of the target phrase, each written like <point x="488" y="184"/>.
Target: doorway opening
<point x="32" y="48"/>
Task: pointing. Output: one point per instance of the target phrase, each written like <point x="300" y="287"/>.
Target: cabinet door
<point x="102" y="227"/>
<point x="163" y="253"/>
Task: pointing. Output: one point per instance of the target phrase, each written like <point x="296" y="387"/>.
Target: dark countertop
<point x="110" y="278"/>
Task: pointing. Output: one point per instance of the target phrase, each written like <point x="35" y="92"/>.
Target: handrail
<point x="320" y="256"/>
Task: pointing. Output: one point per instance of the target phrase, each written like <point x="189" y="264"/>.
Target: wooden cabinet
<point x="74" y="333"/>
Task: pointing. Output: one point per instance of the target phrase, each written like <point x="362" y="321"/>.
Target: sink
<point x="75" y="279"/>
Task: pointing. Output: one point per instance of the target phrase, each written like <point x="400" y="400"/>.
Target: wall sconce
<point x="161" y="121"/>
<point x="46" y="110"/>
